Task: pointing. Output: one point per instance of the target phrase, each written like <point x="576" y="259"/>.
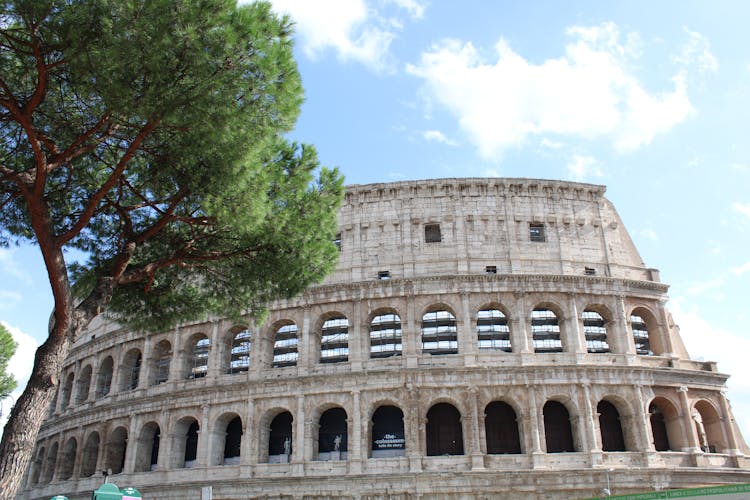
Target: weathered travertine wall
<point x="522" y="355"/>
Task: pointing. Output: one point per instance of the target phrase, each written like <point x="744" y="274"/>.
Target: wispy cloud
<point x="589" y="92"/>
<point x="354" y="30"/>
<point x="437" y="136"/>
<point x="9" y="299"/>
<point x="743" y="208"/>
<point x="12" y="268"/>
<point x="696" y="53"/>
<point x="740" y="270"/>
<point x="581" y="167"/>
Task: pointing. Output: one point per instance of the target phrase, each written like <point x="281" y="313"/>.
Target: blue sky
<point x="650" y="99"/>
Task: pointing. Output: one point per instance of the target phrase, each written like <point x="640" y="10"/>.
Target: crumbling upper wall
<point x="484" y="224"/>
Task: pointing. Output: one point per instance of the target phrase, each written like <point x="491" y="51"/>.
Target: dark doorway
<point x="332" y="435"/>
<point x="444" y="434"/>
<point x="610" y="427"/>
<point x="658" y="428"/>
<point x="233" y="442"/>
<point x="281" y="432"/>
<point x="501" y="428"/>
<point x="558" y="434"/>
<point x="388" y="432"/>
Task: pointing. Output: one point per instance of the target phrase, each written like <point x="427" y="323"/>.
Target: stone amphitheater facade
<point x="479" y="338"/>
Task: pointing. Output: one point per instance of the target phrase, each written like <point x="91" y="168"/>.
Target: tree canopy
<point x="7" y="349"/>
<point x="149" y="137"/>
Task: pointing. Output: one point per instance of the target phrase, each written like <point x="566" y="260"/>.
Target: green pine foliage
<point x="7" y="349"/>
<point x="157" y="140"/>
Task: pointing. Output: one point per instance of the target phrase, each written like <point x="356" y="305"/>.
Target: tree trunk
<point x="27" y="415"/>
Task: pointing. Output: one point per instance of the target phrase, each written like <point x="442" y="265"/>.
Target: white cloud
<point x="9" y="266"/>
<point x="740" y="270"/>
<point x="697" y="53"/>
<point x="20" y="366"/>
<point x="581" y="167"/>
<point x="743" y="208"/>
<point x="589" y="92"/>
<point x="550" y="144"/>
<point x="437" y="136"/>
<point x="354" y="30"/>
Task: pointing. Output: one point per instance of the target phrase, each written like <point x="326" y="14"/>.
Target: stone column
<point x="355" y="454"/>
<point x="475" y="447"/>
<point x="177" y="363"/>
<point x="166" y="436"/>
<point x="688" y="427"/>
<point x="251" y="441"/>
<point x="307" y="354"/>
<point x="519" y="326"/>
<point x="358" y="347"/>
<point x="214" y="355"/>
<point x="411" y="332"/>
<point x="204" y="437"/>
<point x="536" y="426"/>
<point x="590" y="424"/>
<point x="625" y="338"/>
<point x="467" y="336"/>
<point x="79" y="454"/>
<point x="412" y="428"/>
<point x="132" y="445"/>
<point x="575" y="339"/>
<point x="94" y="379"/>
<point x="643" y="422"/>
<point x="145" y="376"/>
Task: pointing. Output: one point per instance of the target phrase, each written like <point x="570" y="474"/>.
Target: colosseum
<point x="479" y="338"/>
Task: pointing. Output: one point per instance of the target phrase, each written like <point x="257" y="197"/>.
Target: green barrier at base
<point x="107" y="491"/>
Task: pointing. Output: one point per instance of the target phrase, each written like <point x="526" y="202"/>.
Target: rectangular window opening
<point x="490" y="270"/>
<point x="536" y="232"/>
<point x="384" y="275"/>
<point x="589" y="271"/>
<point x="432" y="233"/>
<point x="337" y="241"/>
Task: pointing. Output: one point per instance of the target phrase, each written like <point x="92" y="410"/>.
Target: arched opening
<point x="49" y="464"/>
<point x="239" y="353"/>
<point x="545" y="331"/>
<point x="708" y="427"/>
<point x="161" y="362"/>
<point x="90" y="455"/>
<point x="493" y="331"/>
<point x="385" y="335"/>
<point x="233" y="442"/>
<point x="280" y="443"/>
<point x="84" y="385"/>
<point x="641" y="335"/>
<point x="130" y="371"/>
<point x="388" y="438"/>
<point x="191" y="444"/>
<point x="285" y="346"/>
<point x="439" y="332"/>
<point x="557" y="429"/>
<point x="332" y="435"/>
<point x="501" y="428"/>
<point x="117" y="446"/>
<point x="595" y="331"/>
<point x="199" y="357"/>
<point x="67" y="391"/>
<point x="334" y="340"/>
<point x="444" y="432"/>
<point x="68" y="459"/>
<point x="104" y="378"/>
<point x="185" y="444"/>
<point x="37" y="466"/>
<point x="610" y="427"/>
<point x="147" y="455"/>
<point x="665" y="425"/>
